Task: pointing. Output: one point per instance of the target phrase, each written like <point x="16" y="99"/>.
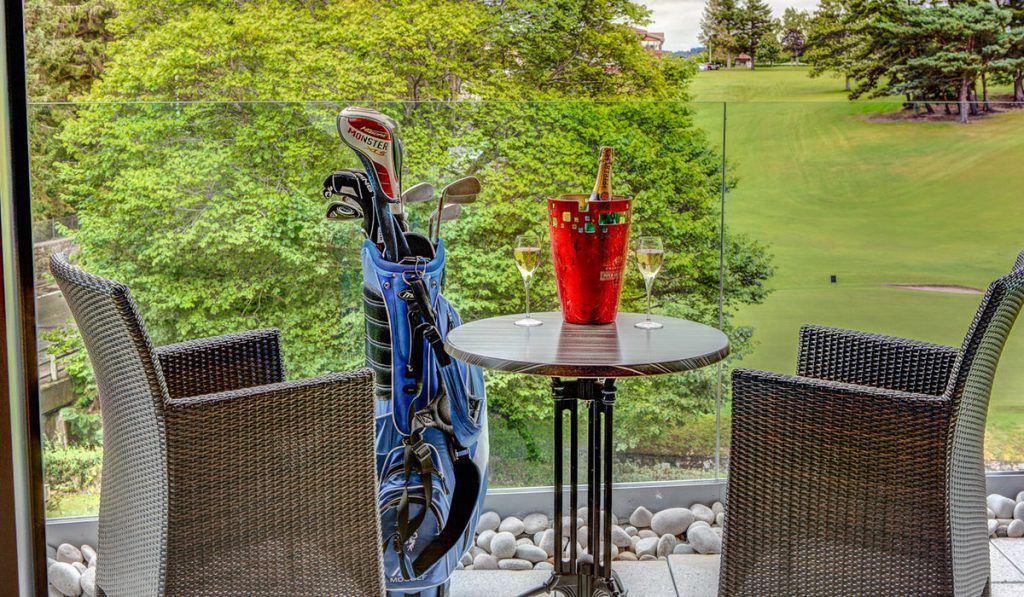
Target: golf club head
<point x="418" y="193"/>
<point x="460" y="199"/>
<point x="354" y="187"/>
<point x="469" y="185"/>
<point x="450" y="212"/>
<point x="371" y="135"/>
<point x="343" y="210"/>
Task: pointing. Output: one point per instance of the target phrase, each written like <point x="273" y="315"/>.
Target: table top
<point x="560" y="349"/>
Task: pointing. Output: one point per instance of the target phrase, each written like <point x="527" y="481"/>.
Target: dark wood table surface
<point x="559" y="349"/>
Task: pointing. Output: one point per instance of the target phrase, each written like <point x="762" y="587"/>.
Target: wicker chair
<point x="219" y="477"/>
<point x="864" y="474"/>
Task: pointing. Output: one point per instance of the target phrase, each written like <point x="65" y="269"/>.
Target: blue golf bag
<point x="431" y="425"/>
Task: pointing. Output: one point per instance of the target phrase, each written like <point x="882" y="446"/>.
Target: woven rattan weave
<point x="219" y="477"/>
<point x="864" y="474"/>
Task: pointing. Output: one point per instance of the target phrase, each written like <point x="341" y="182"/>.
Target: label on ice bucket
<point x="610" y="274"/>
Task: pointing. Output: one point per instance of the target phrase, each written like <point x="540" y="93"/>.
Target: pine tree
<point x="831" y="39"/>
<point x="756" y="21"/>
<point x="720" y="28"/>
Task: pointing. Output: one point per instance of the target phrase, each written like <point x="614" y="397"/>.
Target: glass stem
<point x="649" y="283"/>
<point x="526" y="281"/>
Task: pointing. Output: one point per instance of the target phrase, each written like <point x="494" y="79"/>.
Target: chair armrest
<point x="222" y="363"/>
<point x="822" y="471"/>
<point x="875" y="360"/>
<point x="283" y="470"/>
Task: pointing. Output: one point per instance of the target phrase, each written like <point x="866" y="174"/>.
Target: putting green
<point x="837" y="188"/>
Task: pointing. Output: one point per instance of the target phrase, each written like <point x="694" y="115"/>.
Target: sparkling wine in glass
<point x="650" y="254"/>
<point x="527" y="255"/>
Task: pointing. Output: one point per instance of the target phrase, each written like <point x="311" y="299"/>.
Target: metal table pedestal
<point x="582" y="575"/>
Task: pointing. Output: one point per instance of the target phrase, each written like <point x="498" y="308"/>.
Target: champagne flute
<point x="649" y="256"/>
<point x="527" y="255"/>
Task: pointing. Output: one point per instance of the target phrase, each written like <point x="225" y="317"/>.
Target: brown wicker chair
<point x="219" y="477"/>
<point x="864" y="474"/>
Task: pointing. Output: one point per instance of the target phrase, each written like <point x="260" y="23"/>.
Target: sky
<point x="680" y="19"/>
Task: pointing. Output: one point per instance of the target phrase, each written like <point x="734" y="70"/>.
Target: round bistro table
<point x="595" y="355"/>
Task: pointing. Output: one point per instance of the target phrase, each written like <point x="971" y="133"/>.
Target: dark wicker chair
<point x="864" y="474"/>
<point x="219" y="477"/>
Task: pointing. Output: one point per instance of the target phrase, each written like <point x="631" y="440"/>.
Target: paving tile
<point x="650" y="579"/>
<point x="1007" y="557"/>
<point x="695" y="575"/>
<point x="496" y="583"/>
<point x="1007" y="589"/>
<point x="647" y="579"/>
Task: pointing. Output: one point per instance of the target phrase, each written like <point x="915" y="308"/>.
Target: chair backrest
<point x="133" y="502"/>
<point x="969" y="388"/>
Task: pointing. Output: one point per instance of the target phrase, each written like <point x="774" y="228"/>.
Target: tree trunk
<point x="928" y="107"/>
<point x="1018" y="86"/>
<point x="948" y="111"/>
<point x="847" y="82"/>
<point x="728" y="59"/>
<point x="984" y="93"/>
<point x="965" y="92"/>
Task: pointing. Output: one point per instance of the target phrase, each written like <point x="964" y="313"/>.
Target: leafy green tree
<point x="65" y="48"/>
<point x="720" y="27"/>
<point x="769" y="51"/>
<point x="757" y="23"/>
<point x="211" y="211"/>
<point x="794" y="32"/>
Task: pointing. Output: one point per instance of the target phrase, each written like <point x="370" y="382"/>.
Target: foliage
<point x="831" y="39"/>
<point x="769" y="51"/>
<point x="757" y="24"/>
<point x="65" y="48"/>
<point x="928" y="51"/>
<point x="720" y="28"/>
<point x="71" y="468"/>
<point x="212" y="213"/>
<point x="794" y="32"/>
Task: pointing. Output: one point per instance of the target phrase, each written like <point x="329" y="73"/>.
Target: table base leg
<point x="586" y="576"/>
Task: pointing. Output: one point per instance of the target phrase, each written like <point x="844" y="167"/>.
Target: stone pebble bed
<point x="528" y="543"/>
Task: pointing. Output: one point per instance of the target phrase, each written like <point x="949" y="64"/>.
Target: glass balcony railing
<point x="849" y="214"/>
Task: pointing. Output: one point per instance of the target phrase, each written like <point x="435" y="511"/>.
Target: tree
<point x="720" y="28"/>
<point x="769" y="50"/>
<point x="65" y="49"/>
<point x="794" y="32"/>
<point x="756" y="22"/>
<point x="211" y="212"/>
<point x="1012" y="60"/>
<point x="921" y="51"/>
<point x="832" y="40"/>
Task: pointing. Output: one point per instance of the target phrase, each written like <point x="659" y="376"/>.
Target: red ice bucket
<point x="588" y="249"/>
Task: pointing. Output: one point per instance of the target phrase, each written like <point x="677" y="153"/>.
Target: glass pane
<point x="213" y="215"/>
<point x="879" y="220"/>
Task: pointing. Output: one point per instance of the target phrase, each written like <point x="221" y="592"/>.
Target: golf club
<point x="343" y="210"/>
<point x="447" y="214"/>
<point x="460" y="199"/>
<point x="354" y="188"/>
<point x="469" y="185"/>
<point x="418" y="193"/>
<point x="371" y="135"/>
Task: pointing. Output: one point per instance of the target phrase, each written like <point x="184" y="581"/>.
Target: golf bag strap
<point x="417" y="455"/>
<point x="464" y="499"/>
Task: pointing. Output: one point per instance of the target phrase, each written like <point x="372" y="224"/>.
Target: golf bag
<point x="431" y="418"/>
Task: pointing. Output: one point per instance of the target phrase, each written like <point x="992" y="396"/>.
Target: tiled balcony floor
<point x="697" y="576"/>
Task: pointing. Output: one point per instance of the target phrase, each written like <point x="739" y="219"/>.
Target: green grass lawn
<point x="833" y="188"/>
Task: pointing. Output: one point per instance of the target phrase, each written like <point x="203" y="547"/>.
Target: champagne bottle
<point x="603" y="184"/>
